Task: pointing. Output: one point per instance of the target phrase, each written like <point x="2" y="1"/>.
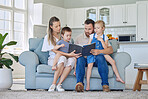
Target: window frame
<point x="13" y="9"/>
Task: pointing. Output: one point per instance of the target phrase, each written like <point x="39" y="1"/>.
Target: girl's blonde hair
<point x="50" y="31"/>
<point x="100" y="22"/>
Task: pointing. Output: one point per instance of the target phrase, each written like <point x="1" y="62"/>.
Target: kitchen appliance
<point x="126" y="37"/>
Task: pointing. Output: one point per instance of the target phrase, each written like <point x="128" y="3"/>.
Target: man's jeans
<point x="100" y="63"/>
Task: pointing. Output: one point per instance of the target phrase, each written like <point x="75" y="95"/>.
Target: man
<point x="100" y="60"/>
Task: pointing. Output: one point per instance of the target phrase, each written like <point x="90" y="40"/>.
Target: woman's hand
<point x="72" y="54"/>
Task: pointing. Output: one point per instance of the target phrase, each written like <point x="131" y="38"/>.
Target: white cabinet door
<point x="79" y="17"/>
<point x="43" y="12"/>
<point x="59" y="13"/>
<point x="91" y="13"/>
<point x="104" y="13"/>
<point x="142" y="21"/>
<point x="118" y="15"/>
<point x="70" y="17"/>
<point x="124" y="15"/>
<point x="75" y="17"/>
<point x="131" y="14"/>
<point x="46" y="14"/>
<point x="41" y="15"/>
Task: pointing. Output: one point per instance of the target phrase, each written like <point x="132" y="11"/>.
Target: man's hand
<point x="95" y="51"/>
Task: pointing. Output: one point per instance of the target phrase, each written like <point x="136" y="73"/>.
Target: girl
<point x="101" y="42"/>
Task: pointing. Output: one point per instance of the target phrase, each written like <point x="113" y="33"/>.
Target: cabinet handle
<point x="141" y="38"/>
<point x="124" y="22"/>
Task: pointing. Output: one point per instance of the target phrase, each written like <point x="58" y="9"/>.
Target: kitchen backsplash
<point x="109" y="30"/>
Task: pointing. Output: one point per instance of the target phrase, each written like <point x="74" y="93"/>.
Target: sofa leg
<point x="31" y="89"/>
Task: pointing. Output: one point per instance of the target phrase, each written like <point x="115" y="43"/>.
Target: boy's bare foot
<point x="119" y="79"/>
<point x="74" y="73"/>
<point x="87" y="87"/>
<point x="54" y="68"/>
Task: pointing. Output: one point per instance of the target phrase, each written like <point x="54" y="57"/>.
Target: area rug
<point x="42" y="94"/>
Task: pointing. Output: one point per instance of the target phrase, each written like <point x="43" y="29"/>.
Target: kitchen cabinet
<point x="104" y="13"/>
<point x="43" y="12"/>
<point x="41" y="16"/>
<point x="124" y="15"/>
<point x="142" y="21"/>
<point x="59" y="13"/>
<point x="91" y="13"/>
<point x="76" y="17"/>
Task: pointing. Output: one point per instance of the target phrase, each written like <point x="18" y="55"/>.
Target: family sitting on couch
<point x="63" y="62"/>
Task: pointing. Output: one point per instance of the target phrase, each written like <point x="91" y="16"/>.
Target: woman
<point x="53" y="35"/>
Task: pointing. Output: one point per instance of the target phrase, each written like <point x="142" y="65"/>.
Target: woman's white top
<point x="91" y="36"/>
<point x="46" y="47"/>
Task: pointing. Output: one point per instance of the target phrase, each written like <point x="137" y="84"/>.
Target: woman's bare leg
<point x="112" y="62"/>
<point x="65" y="73"/>
<point x="89" y="69"/>
<point x="58" y="72"/>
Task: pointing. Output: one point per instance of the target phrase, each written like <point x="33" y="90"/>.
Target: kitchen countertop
<point x="131" y="42"/>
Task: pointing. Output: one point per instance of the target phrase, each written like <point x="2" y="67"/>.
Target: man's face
<point x="88" y="29"/>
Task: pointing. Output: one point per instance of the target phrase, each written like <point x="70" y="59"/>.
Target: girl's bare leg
<point x="112" y="62"/>
<point x="88" y="74"/>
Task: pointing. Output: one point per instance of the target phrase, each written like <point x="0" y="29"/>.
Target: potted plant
<point x="6" y="73"/>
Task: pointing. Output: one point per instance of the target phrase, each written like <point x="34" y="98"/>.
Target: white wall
<point x="59" y="3"/>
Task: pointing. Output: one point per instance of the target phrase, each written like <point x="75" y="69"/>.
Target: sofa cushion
<point x="114" y="44"/>
<point x="42" y="68"/>
<point x="43" y="56"/>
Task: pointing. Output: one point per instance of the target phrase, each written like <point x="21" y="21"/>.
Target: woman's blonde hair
<point x="50" y="31"/>
<point x="100" y="22"/>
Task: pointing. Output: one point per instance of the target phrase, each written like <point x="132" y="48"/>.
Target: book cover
<point x="84" y="50"/>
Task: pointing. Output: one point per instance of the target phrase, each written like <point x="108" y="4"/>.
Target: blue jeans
<point x="100" y="63"/>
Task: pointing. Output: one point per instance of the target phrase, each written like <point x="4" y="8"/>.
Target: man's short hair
<point x="89" y="21"/>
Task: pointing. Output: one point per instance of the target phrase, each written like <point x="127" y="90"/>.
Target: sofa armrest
<point x="122" y="59"/>
<point x="28" y="57"/>
<point x="30" y="61"/>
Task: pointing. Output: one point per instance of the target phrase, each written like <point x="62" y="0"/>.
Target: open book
<point x="84" y="50"/>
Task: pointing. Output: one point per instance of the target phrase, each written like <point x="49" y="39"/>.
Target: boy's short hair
<point x="89" y="21"/>
<point x="100" y="22"/>
<point x="64" y="29"/>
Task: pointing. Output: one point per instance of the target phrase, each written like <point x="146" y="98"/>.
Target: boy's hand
<point x="72" y="54"/>
<point x="62" y="45"/>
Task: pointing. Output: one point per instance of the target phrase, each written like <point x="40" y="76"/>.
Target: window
<point x="13" y="21"/>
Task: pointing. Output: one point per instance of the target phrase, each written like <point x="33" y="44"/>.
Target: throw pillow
<point x="43" y="56"/>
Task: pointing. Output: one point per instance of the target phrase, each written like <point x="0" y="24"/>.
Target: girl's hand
<point x="62" y="45"/>
<point x="74" y="73"/>
<point x="99" y="38"/>
<point x="72" y="54"/>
